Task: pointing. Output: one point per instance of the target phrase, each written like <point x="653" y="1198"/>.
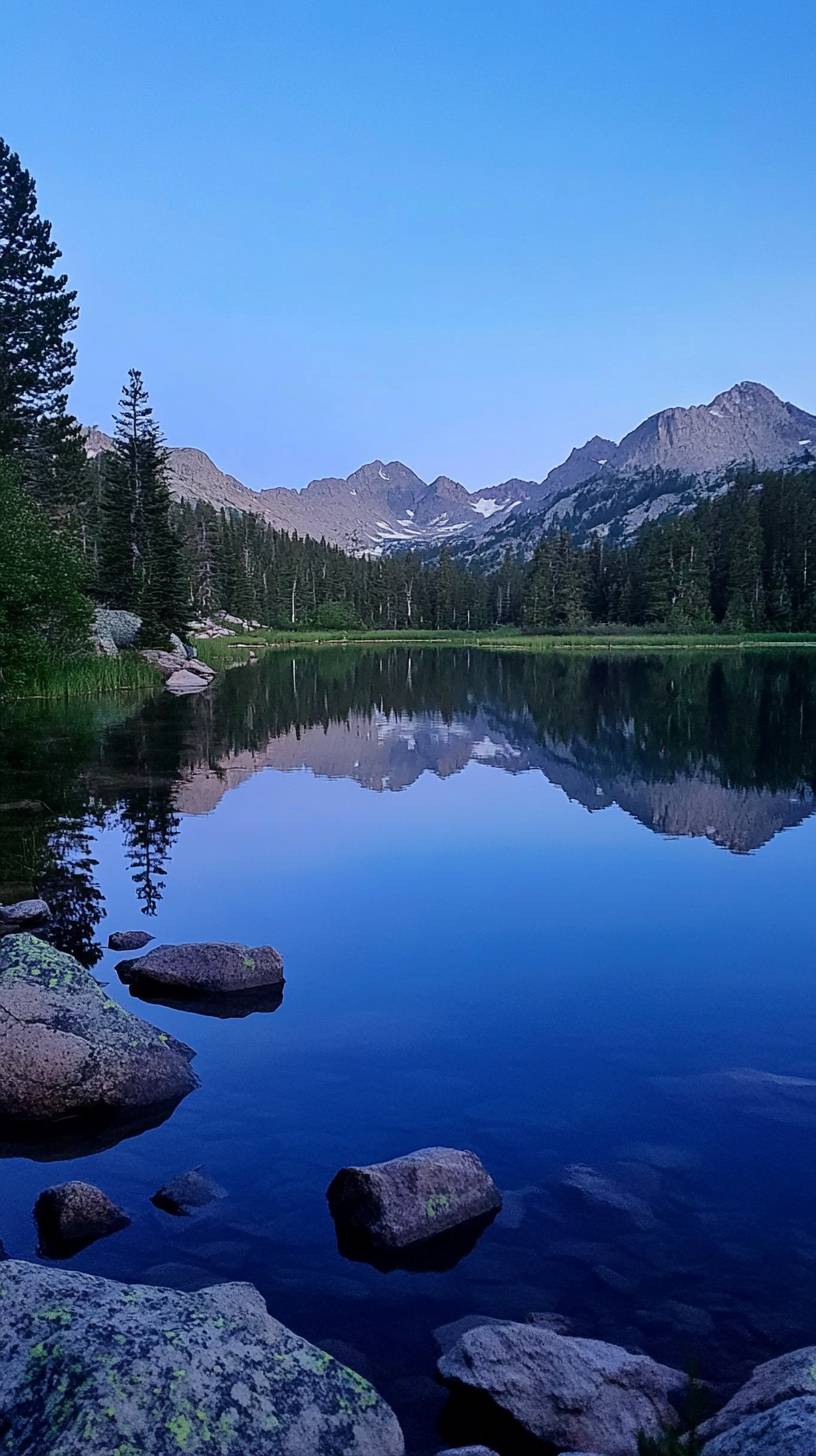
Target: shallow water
<point x="527" y="903"/>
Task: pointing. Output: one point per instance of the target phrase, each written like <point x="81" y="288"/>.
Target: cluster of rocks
<point x="72" y="1215"/>
<point x="182" y="672"/>
<point x="223" y="624"/>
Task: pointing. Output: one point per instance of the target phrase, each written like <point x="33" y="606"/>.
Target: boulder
<point x="571" y="1393"/>
<point x="770" y="1384"/>
<point x="91" y="1367"/>
<point x="788" y="1429"/>
<point x="128" y="939"/>
<point x="72" y="1215"/>
<point x="113" y="629"/>
<point x="411" y="1199"/>
<point x="187" y="1191"/>
<point x="594" y="1193"/>
<point x="68" y="1052"/>
<point x="183" y="681"/>
<point x="25" y="912"/>
<point x="206" y="969"/>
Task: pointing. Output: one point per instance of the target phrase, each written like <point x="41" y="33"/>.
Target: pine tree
<point x="37" y="312"/>
<point x="141" y="566"/>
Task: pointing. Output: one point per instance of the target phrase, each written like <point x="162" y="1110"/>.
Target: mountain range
<point x="665" y="465"/>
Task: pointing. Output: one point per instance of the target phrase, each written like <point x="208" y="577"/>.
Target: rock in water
<point x="68" y="1051"/>
<point x="72" y="1215"/>
<point x="128" y="939"/>
<point x="187" y="1191"/>
<point x="25" y="912"/>
<point x="571" y="1393"/>
<point x="183" y="681"/>
<point x="91" y="1367"/>
<point x="788" y="1429"/>
<point x="412" y="1199"/>
<point x="206" y="969"/>
<point x="592" y="1192"/>
<point x="772" y="1383"/>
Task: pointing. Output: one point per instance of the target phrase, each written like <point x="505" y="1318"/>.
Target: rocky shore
<point x="93" y="1366"/>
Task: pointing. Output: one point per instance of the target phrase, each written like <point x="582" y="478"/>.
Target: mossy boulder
<point x="68" y="1052"/>
<point x="412" y="1199"/>
<point x="95" y="1368"/>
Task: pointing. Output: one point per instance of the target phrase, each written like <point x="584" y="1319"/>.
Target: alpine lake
<point x="557" y="908"/>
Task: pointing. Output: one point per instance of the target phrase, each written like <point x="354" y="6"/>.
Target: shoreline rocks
<point x="574" y="1394"/>
<point x="69" y="1053"/>
<point x="70" y="1216"/>
<point x="95" y="1366"/>
<point x="207" y="970"/>
<point x="412" y="1200"/>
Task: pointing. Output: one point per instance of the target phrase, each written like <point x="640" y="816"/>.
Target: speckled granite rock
<point x="72" y="1215"/>
<point x="571" y="1393"/>
<point x="25" y="912"/>
<point x="206" y="969"/>
<point x="68" y="1051"/>
<point x="92" y="1368"/>
<point x="770" y="1384"/>
<point x="788" y="1429"/>
<point x="193" y="1189"/>
<point x="413" y="1198"/>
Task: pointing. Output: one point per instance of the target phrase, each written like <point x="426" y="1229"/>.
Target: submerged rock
<point x="72" y="1215"/>
<point x="187" y="1191"/>
<point x="25" y="912"/>
<point x="788" y="1429"/>
<point x="586" y="1188"/>
<point x="95" y="1367"/>
<point x="207" y="969"/>
<point x="68" y="1052"/>
<point x="128" y="939"/>
<point x="571" y="1393"/>
<point x="411" y="1200"/>
<point x="768" y="1095"/>
<point x="770" y="1384"/>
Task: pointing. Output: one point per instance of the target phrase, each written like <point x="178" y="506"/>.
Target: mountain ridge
<point x="664" y="465"/>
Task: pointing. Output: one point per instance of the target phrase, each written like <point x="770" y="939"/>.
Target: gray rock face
<point x="572" y="1393"/>
<point x="411" y="1199"/>
<point x="187" y="1191"/>
<point x="72" y="1215"/>
<point x="25" y="912"/>
<point x="468" y="1451"/>
<point x="128" y="939"/>
<point x="113" y="629"/>
<point x="788" y="1429"/>
<point x="92" y="1368"/>
<point x="68" y="1051"/>
<point x="772" y="1383"/>
<point x="209" y="968"/>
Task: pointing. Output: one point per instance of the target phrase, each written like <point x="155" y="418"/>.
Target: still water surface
<point x="534" y="905"/>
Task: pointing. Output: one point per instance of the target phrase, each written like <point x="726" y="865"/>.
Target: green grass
<point x="88" y="677"/>
<point x="222" y="651"/>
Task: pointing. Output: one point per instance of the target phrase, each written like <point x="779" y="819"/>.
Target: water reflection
<point x="720" y="746"/>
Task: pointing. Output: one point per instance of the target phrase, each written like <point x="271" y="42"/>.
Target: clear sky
<point x="461" y="233"/>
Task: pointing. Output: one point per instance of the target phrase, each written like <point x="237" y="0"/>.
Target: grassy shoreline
<point x="85" y="677"/>
<point x="220" y="650"/>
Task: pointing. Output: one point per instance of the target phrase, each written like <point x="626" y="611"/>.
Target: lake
<point x="549" y="907"/>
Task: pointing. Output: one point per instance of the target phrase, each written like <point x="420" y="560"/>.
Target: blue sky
<point x="465" y="235"/>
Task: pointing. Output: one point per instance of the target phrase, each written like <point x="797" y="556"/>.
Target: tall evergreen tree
<point x="141" y="566"/>
<point x="37" y="312"/>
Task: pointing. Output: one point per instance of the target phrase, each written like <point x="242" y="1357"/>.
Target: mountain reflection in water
<point x="714" y="745"/>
